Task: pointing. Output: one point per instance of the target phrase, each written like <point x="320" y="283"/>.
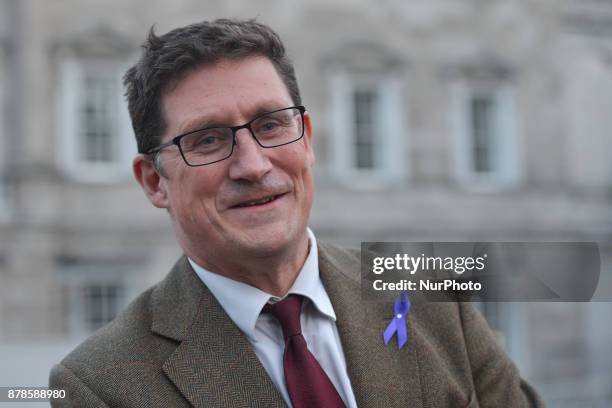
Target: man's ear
<point x="308" y="137"/>
<point x="152" y="183"/>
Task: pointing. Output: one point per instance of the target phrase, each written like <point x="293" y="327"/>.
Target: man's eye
<point x="209" y="140"/>
<point x="268" y="126"/>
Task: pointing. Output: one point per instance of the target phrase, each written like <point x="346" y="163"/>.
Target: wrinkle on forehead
<point x="198" y="101"/>
<point x="215" y="120"/>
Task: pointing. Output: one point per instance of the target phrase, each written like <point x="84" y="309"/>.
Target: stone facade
<point x="544" y="66"/>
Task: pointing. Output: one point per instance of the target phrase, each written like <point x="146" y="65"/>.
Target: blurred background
<point x="438" y="120"/>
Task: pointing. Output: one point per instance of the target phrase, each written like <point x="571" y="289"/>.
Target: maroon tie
<point x="308" y="385"/>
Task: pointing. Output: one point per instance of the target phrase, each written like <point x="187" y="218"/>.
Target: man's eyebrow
<point x="204" y="123"/>
<point x="201" y="123"/>
<point x="265" y="108"/>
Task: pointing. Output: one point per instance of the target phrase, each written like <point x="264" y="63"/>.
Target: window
<point x="95" y="292"/>
<point x="482" y="117"/>
<point x="366" y="115"/>
<point x="100" y="304"/>
<point x="484" y="135"/>
<point x="98" y="118"/>
<point x="369" y="133"/>
<point x="96" y="142"/>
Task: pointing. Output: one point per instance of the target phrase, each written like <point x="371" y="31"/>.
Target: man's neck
<point x="273" y="274"/>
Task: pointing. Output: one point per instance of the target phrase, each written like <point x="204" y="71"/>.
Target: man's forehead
<point x="213" y="94"/>
<point x="218" y="116"/>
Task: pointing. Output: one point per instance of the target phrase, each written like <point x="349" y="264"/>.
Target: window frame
<point x="72" y="75"/>
<point x="87" y="302"/>
<point x="395" y="132"/>
<point x="75" y="276"/>
<point x="506" y="171"/>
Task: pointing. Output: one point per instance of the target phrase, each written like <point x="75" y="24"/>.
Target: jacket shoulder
<point x="122" y="337"/>
<point x="119" y="359"/>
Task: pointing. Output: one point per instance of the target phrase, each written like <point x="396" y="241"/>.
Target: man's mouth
<point x="261" y="201"/>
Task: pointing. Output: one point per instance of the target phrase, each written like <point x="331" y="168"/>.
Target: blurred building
<point x="438" y="120"/>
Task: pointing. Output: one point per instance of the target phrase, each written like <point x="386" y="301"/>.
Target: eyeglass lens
<point x="215" y="144"/>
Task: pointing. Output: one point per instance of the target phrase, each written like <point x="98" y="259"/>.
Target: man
<point x="257" y="312"/>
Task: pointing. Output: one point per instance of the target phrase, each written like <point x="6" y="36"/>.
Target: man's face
<point x="212" y="206"/>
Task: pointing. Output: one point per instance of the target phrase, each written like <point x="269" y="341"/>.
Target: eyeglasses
<point x="211" y="145"/>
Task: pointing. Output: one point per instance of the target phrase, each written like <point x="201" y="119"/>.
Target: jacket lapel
<point x="380" y="375"/>
<point x="214" y="364"/>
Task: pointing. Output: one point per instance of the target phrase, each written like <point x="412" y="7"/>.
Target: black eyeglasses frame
<point x="177" y="139"/>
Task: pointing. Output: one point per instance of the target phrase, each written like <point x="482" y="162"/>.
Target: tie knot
<point x="287" y="312"/>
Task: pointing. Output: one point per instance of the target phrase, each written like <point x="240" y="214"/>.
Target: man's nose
<point x="248" y="161"/>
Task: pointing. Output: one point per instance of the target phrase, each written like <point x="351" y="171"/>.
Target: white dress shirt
<point x="243" y="303"/>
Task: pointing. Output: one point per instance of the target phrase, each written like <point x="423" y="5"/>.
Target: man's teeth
<point x="259" y="202"/>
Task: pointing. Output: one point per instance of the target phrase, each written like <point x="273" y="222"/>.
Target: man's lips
<point x="257" y="202"/>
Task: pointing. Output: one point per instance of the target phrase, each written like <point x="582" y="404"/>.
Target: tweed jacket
<point x="175" y="346"/>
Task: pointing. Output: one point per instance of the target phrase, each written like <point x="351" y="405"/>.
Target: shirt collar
<point x="243" y="302"/>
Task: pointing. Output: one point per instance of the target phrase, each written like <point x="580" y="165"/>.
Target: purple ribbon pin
<point x="398" y="324"/>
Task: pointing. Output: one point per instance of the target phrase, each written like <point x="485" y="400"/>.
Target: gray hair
<point x="166" y="59"/>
